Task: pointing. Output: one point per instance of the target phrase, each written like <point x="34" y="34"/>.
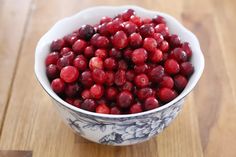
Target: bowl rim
<point x="67" y="105"/>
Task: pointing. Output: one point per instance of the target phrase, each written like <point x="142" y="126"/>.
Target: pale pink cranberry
<point x="110" y="64"/>
<point x="149" y="44"/>
<point x="115" y="110"/>
<point x="166" y="94"/>
<point x="79" y="46"/>
<point x="135" y="40"/>
<point x="124" y="99"/>
<point x="69" y="74"/>
<point x="141" y="80"/>
<point x="146" y="30"/>
<point x="99" y="76"/>
<point x="143" y="68"/>
<point x="80" y="63"/>
<point x="130" y="27"/>
<point x="167" y="82"/>
<point x="164" y="46"/>
<point x="139" y="56"/>
<point x="130" y="75"/>
<point x="102" y="108"/>
<point x="86" y="79"/>
<point x="171" y="66"/>
<point x="89" y="105"/>
<point x="120" y="77"/>
<point x="180" y="82"/>
<point x="156" y="74"/>
<point x="136" y="20"/>
<point x="96" y="63"/>
<point x="52" y="71"/>
<point x="144" y="93"/>
<point x="110" y="78"/>
<point x="57" y="45"/>
<point x="105" y="19"/>
<point x="86" y="94"/>
<point x="151" y="103"/>
<point x="120" y="40"/>
<point x="186" y="69"/>
<point x="111" y="93"/>
<point x="136" y="108"/>
<point x="96" y="91"/>
<point x="58" y="85"/>
<point x="115" y="53"/>
<point x="52" y="58"/>
<point x="156" y="56"/>
<point x="101" y="53"/>
<point x="72" y="89"/>
<point x="89" y="52"/>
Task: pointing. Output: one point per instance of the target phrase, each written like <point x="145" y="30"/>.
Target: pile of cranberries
<point x="122" y="65"/>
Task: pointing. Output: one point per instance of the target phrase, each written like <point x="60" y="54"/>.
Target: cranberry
<point x="135" y="40"/>
<point x="115" y="110"/>
<point x="174" y="40"/>
<point x="70" y="100"/>
<point x="101" y="101"/>
<point x="166" y="94"/>
<point x="156" y="74"/>
<point x="52" y="71"/>
<point x="136" y="108"/>
<point x="77" y="103"/>
<point x="120" y="40"/>
<point x="110" y="78"/>
<point x="167" y="82"/>
<point x="96" y="91"/>
<point x="95" y="62"/>
<point x="102" y="42"/>
<point x="71" y="38"/>
<point x="139" y="56"/>
<point x="111" y="93"/>
<point x="156" y="56"/>
<point x="79" y="46"/>
<point x="187" y="49"/>
<point x="165" y="56"/>
<point x="80" y="62"/>
<point x="127" y="14"/>
<point x="58" y="85"/>
<point x="114" y="26"/>
<point x="124" y="99"/>
<point x="130" y="75"/>
<point x="64" y="51"/>
<point x="89" y="105"/>
<point x="140" y="68"/>
<point x="110" y="64"/>
<point x="86" y="79"/>
<point x="105" y="19"/>
<point x="102" y="108"/>
<point x="158" y="37"/>
<point x="180" y="82"/>
<point x="127" y="86"/>
<point x="144" y="93"/>
<point x="171" y="66"/>
<point x="102" y="53"/>
<point x="52" y="58"/>
<point x="86" y="94"/>
<point x="86" y="32"/>
<point x="136" y="20"/>
<point x="57" y="45"/>
<point x="141" y="80"/>
<point x="130" y="27"/>
<point x="186" y="69"/>
<point x="69" y="74"/>
<point x="162" y="29"/>
<point x="149" y="44"/>
<point x="89" y="52"/>
<point x="94" y="38"/>
<point x="122" y="65"/>
<point x="146" y="30"/>
<point x="102" y="29"/>
<point x="158" y="20"/>
<point x="151" y="103"/>
<point x="147" y="21"/>
<point x="62" y="62"/>
<point x="115" y="53"/>
<point x="70" y="55"/>
<point x="120" y="78"/>
<point x="72" y="90"/>
<point x="164" y="46"/>
<point x="99" y="76"/>
<point x="128" y="54"/>
<point x="179" y="55"/>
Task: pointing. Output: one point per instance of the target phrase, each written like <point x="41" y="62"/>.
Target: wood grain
<point x="205" y="127"/>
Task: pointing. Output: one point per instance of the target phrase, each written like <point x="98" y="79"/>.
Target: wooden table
<point x="29" y="121"/>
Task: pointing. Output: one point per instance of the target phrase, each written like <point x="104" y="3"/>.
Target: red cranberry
<point x="151" y="103"/>
<point x="120" y="78"/>
<point x="102" y="53"/>
<point x="167" y="82"/>
<point x="120" y="40"/>
<point x="138" y="69"/>
<point x="95" y="62"/>
<point x="52" y="71"/>
<point x="70" y="55"/>
<point x="72" y="90"/>
<point x="114" y="26"/>
<point x="111" y="93"/>
<point x="101" y="101"/>
<point x="187" y="49"/>
<point x="127" y="86"/>
<point x="110" y="64"/>
<point x="57" y="45"/>
<point x="149" y="44"/>
<point x="89" y="52"/>
<point x="136" y="20"/>
<point x="141" y="80"/>
<point x="102" y="108"/>
<point x="179" y="55"/>
<point x="94" y="38"/>
<point x="110" y="78"/>
<point x="102" y="42"/>
<point x="156" y="56"/>
<point x="58" y="85"/>
<point x="69" y="74"/>
<point x="135" y="40"/>
<point x="70" y="100"/>
<point x="71" y="38"/>
<point x="64" y="51"/>
<point x="122" y="65"/>
<point x="96" y="91"/>
<point x="80" y="62"/>
<point x="102" y="29"/>
<point x="115" y="53"/>
<point x="128" y="54"/>
<point x="124" y="99"/>
<point x="139" y="56"/>
<point x="156" y="74"/>
<point x="174" y="40"/>
<point x="158" y="20"/>
<point x="79" y="46"/>
<point x="180" y="82"/>
<point x="136" y="108"/>
<point x="86" y="94"/>
<point x="99" y="76"/>
<point x="166" y="94"/>
<point x="186" y="69"/>
<point x="77" y="103"/>
<point x="164" y="46"/>
<point x="130" y="27"/>
<point x="171" y="66"/>
<point x="89" y="105"/>
<point x="146" y="30"/>
<point x="86" y="32"/>
<point x="147" y="21"/>
<point x="165" y="56"/>
<point x="105" y="19"/>
<point x="144" y="93"/>
<point x="52" y="58"/>
<point x="62" y="62"/>
<point x="127" y="14"/>
<point x="86" y="79"/>
<point x="158" y="37"/>
<point x="162" y="29"/>
<point x="130" y="75"/>
<point x="115" y="110"/>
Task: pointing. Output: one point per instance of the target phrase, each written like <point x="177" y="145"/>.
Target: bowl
<point x="116" y="129"/>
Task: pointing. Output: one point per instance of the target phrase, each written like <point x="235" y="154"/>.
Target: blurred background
<point x="28" y="121"/>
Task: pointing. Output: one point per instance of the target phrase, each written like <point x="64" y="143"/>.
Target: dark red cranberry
<point x="102" y="53"/>
<point x="151" y="103"/>
<point x="158" y="37"/>
<point x="102" y="108"/>
<point x="186" y="69"/>
<point x="89" y="52"/>
<point x="111" y="93"/>
<point x="130" y="75"/>
<point x="135" y="108"/>
<point x="89" y="105"/>
<point x="70" y="55"/>
<point x="102" y="29"/>
<point x="180" y="82"/>
<point x="141" y="80"/>
<point x="135" y="40"/>
<point x="86" y="32"/>
<point x="120" y="40"/>
<point x="166" y="94"/>
<point x="102" y="42"/>
<point x="174" y="40"/>
<point x="110" y="64"/>
<point x="80" y="62"/>
<point x="101" y="101"/>
<point x="52" y="71"/>
<point x="122" y="65"/>
<point x="99" y="76"/>
<point x="86" y="78"/>
<point x="162" y="29"/>
<point x="96" y="91"/>
<point x="138" y="69"/>
<point x="62" y="62"/>
<point x="79" y="46"/>
<point x="139" y="56"/>
<point x="105" y="19"/>
<point x="120" y="77"/>
<point x="69" y="74"/>
<point x="77" y="103"/>
<point x="71" y="38"/>
<point x="171" y="66"/>
<point x="72" y="90"/>
<point x="52" y="58"/>
<point x="179" y="55"/>
<point x="96" y="63"/>
<point x="130" y="27"/>
<point x="114" y="26"/>
<point x="110" y="78"/>
<point x="187" y="49"/>
<point x="164" y="46"/>
<point x="127" y="86"/>
<point x="146" y="30"/>
<point x="86" y="94"/>
<point x="136" y="20"/>
<point x="127" y="14"/>
<point x="115" y="110"/>
<point x="128" y="54"/>
<point x="58" y="85"/>
<point x="167" y="82"/>
<point x="57" y="45"/>
<point x="115" y="53"/>
<point x="144" y="93"/>
<point x="156" y="74"/>
<point x="64" y="51"/>
<point x="124" y="99"/>
<point x="149" y="44"/>
<point x="158" y="20"/>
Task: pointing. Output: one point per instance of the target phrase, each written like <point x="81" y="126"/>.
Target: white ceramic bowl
<point x="116" y="129"/>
